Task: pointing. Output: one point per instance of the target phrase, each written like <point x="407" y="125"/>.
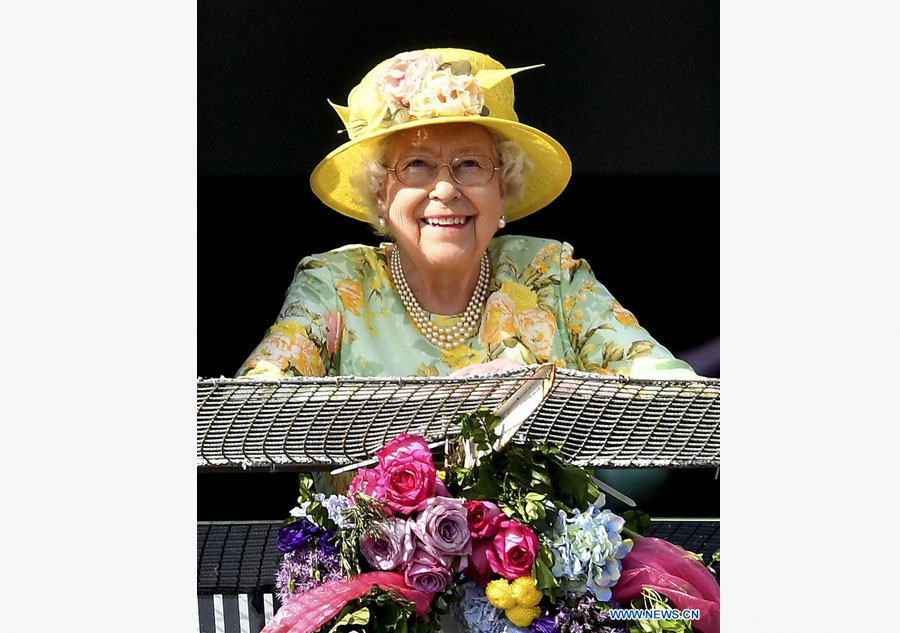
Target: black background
<point x="630" y="89"/>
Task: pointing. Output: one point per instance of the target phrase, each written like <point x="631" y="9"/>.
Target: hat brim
<point x="332" y="178"/>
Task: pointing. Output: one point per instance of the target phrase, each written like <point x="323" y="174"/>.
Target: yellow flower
<point x="574" y="328"/>
<point x="541" y="261"/>
<point x="499" y="594"/>
<point x="568" y="303"/>
<point x="351" y="294"/>
<point x="524" y="590"/>
<point x="462" y="356"/>
<point x="287" y="343"/>
<point x="537" y="328"/>
<point x="499" y="320"/>
<point x="522" y="297"/>
<point x="623" y="316"/>
<point x="522" y="616"/>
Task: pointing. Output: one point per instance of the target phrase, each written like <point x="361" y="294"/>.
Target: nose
<point x="444" y="187"/>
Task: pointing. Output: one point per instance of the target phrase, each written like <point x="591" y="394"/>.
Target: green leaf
<point x="539" y="477"/>
<point x="360" y="616"/>
<point x="636" y="521"/>
<point x="541" y="570"/>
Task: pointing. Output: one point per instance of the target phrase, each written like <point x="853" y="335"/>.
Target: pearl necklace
<point x="445" y="337"/>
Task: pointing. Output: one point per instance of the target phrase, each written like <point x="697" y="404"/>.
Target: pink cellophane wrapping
<point x="308" y="611"/>
<point x="672" y="572"/>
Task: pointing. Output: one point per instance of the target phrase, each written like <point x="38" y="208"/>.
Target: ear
<point x="380" y="200"/>
<point x="503" y="187"/>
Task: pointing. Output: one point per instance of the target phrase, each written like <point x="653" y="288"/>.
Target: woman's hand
<point x="490" y="367"/>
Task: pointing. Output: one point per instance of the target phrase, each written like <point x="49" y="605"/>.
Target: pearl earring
<point x="382" y="223"/>
<point x="502" y="222"/>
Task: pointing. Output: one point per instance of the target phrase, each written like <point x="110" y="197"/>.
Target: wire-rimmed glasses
<point x="469" y="170"/>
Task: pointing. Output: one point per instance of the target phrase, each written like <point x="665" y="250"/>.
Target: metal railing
<point x="323" y="423"/>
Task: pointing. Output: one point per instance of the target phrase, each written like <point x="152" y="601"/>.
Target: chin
<point x="448" y="253"/>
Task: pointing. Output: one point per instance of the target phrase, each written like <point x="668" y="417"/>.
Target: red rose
<point x="479" y="569"/>
<point x="481" y="518"/>
<point x="513" y="549"/>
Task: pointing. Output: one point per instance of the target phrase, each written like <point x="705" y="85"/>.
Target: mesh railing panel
<point x="698" y="536"/>
<point x="240" y="557"/>
<point x="237" y="557"/>
<point x="322" y="423"/>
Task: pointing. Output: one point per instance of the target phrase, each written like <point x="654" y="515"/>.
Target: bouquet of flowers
<point x="503" y="539"/>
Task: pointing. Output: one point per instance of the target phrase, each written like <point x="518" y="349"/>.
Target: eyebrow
<point x="421" y="150"/>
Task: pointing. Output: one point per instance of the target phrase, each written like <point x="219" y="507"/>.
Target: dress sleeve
<point x="605" y="337"/>
<point x="305" y="339"/>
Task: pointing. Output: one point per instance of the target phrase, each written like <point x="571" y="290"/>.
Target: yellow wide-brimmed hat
<point x="430" y="87"/>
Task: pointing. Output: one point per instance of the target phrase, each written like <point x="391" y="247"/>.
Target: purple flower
<point x="442" y="529"/>
<point x="387" y="545"/>
<point x="585" y="614"/>
<point x="324" y="546"/>
<point x="305" y="568"/>
<point x="295" y="534"/>
<point x="426" y="573"/>
<point x="543" y="625"/>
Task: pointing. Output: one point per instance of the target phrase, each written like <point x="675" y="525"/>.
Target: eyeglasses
<point x="470" y="171"/>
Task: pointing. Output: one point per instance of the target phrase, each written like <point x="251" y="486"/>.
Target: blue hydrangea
<point x="336" y="505"/>
<point x="587" y="550"/>
<point x="477" y="615"/>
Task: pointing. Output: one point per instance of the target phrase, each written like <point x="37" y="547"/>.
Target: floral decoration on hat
<point x="418" y="85"/>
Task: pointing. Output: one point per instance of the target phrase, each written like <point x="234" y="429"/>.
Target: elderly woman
<point x="438" y="162"/>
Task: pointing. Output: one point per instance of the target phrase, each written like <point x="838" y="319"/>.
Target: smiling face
<point x="442" y="223"/>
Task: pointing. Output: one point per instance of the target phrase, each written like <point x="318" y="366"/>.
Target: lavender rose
<point x="388" y="544"/>
<point x="426" y="573"/>
<point x="443" y="531"/>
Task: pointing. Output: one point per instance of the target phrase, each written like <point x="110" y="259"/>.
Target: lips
<point x="447" y="221"/>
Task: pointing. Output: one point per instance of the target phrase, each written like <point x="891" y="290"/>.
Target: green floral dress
<point x="343" y="316"/>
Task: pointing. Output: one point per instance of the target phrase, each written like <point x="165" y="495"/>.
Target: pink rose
<point x="426" y="573"/>
<point x="367" y="481"/>
<point x="481" y="518"/>
<point x="404" y="75"/>
<point x="407" y="473"/>
<point x="405" y="446"/>
<point x="479" y="569"/>
<point x="513" y="549"/>
<point x="408" y="484"/>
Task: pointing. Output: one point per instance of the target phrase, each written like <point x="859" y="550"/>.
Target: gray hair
<point x="515" y="165"/>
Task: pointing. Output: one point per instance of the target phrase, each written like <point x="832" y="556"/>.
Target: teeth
<point x="436" y="221"/>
